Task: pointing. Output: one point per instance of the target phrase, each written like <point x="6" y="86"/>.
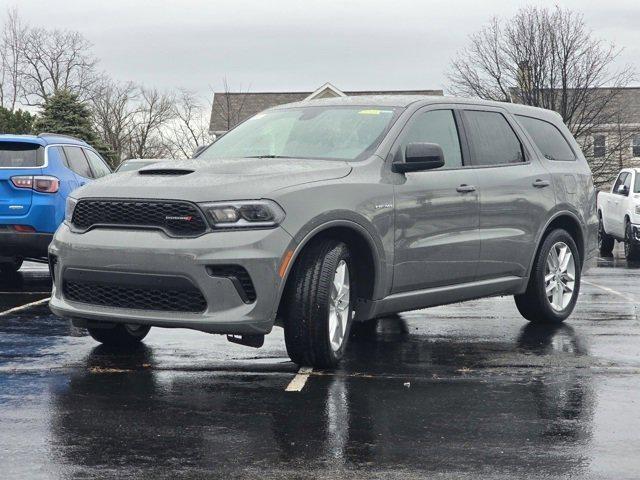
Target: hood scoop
<point x="165" y="171"/>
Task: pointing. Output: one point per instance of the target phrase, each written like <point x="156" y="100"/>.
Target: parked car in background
<point x="136" y="164"/>
<point x="314" y="215"/>
<point x="619" y="215"/>
<point x="37" y="173"/>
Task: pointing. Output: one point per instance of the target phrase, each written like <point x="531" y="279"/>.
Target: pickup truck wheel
<point x="605" y="241"/>
<point x="12" y="266"/>
<point x="319" y="305"/>
<point x="554" y="283"/>
<point x="122" y="335"/>
<point x="631" y="246"/>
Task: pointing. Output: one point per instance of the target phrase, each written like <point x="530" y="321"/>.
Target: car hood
<point x="215" y="180"/>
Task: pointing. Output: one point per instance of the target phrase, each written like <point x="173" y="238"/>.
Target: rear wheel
<point x="631" y="246"/>
<point x="319" y="305"/>
<point x="121" y="335"/>
<point x="605" y="241"/>
<point x="554" y="283"/>
<point x="12" y="266"/>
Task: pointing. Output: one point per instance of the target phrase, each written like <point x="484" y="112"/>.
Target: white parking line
<point x="298" y="382"/>
<point x="611" y="290"/>
<point x="24" y="307"/>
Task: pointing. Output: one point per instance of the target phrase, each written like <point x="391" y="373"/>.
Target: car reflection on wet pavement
<point x="462" y="391"/>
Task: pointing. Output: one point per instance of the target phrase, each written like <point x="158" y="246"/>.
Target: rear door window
<point x="78" y="162"/>
<point x="21" y="155"/>
<point x="547" y="138"/>
<point x="98" y="166"/>
<point x="493" y="141"/>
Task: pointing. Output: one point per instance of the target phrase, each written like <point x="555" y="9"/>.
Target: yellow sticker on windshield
<point x="370" y="112"/>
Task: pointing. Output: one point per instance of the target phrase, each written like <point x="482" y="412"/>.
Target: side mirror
<point x="199" y="150"/>
<point x="419" y="157"/>
<point x="623" y="190"/>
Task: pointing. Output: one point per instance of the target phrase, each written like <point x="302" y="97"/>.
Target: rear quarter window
<point x="548" y="138"/>
<point x="21" y="155"/>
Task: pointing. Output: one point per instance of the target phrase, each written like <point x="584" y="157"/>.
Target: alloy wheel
<point x="559" y="277"/>
<point x="339" y="304"/>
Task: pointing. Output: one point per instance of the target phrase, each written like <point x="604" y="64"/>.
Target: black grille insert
<point x="165" y="172"/>
<point x="240" y="278"/>
<point x="166" y="300"/>
<point x="175" y="218"/>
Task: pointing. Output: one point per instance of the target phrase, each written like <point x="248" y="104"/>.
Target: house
<point x="231" y="108"/>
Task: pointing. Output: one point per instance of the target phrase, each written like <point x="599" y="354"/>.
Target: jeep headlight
<point x="243" y="214"/>
<point x="69" y="207"/>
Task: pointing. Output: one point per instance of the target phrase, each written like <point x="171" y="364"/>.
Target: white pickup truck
<point x="619" y="214"/>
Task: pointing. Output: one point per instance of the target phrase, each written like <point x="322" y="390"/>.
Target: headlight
<point x="69" y="207"/>
<point x="244" y="214"/>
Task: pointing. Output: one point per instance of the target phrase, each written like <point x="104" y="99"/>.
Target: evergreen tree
<point x="18" y="122"/>
<point x="65" y="114"/>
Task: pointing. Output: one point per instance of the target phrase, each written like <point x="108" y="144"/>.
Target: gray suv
<point x="318" y="215"/>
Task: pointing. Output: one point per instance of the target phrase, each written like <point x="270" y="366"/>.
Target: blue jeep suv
<point x="37" y="173"/>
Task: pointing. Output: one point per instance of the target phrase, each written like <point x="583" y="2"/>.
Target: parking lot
<point x="463" y="391"/>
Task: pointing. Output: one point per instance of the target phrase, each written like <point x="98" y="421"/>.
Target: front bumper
<point x="109" y="252"/>
<point x="18" y="244"/>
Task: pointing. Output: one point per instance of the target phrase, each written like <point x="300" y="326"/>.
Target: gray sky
<point x="282" y="45"/>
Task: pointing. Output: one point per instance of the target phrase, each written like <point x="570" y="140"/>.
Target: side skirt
<point x="405" y="301"/>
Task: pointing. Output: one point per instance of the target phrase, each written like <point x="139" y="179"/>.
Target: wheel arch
<point x="367" y="249"/>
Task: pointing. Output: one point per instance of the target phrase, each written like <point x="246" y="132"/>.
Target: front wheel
<point x="122" y="335"/>
<point x="554" y="283"/>
<point x="631" y="246"/>
<point x="318" y="306"/>
<point x="605" y="241"/>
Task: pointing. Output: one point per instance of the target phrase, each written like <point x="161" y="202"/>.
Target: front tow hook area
<point x="255" y="341"/>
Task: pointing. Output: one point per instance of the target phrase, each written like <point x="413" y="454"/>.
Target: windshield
<point x="331" y="133"/>
<point x="20" y="155"/>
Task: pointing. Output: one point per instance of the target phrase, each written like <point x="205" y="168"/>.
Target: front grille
<point x="240" y="278"/>
<point x="108" y="295"/>
<point x="175" y="218"/>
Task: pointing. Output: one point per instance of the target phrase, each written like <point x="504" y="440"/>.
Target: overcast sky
<point x="297" y="45"/>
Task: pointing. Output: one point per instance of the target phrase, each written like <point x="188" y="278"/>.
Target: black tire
<point x="605" y="241"/>
<point x="122" y="335"/>
<point x="11" y="267"/>
<point x="631" y="247"/>
<point x="533" y="304"/>
<point x="306" y="307"/>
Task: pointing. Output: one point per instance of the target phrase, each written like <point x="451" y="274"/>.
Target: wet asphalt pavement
<point x="463" y="391"/>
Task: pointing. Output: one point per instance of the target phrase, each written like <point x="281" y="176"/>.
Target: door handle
<point x="541" y="183"/>
<point x="464" y="188"/>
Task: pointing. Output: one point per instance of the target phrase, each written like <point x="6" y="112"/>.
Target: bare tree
<point x="190" y="126"/>
<point x="231" y="108"/>
<point x="54" y="60"/>
<point x="114" y="111"/>
<point x="12" y="43"/>
<point x="548" y="58"/>
<point x="147" y="135"/>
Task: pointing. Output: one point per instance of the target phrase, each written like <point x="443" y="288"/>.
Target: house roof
<point x="231" y="108"/>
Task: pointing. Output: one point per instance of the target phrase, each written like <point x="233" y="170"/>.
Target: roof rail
<point x="49" y="134"/>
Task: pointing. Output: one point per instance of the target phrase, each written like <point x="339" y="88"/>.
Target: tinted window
<point x="547" y="138"/>
<point x="20" y="155"/>
<point x="492" y="138"/>
<point x="636" y="188"/>
<point x="620" y="181"/>
<point x="436" y="126"/>
<point x="78" y="162"/>
<point x="599" y="146"/>
<point x="98" y="166"/>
